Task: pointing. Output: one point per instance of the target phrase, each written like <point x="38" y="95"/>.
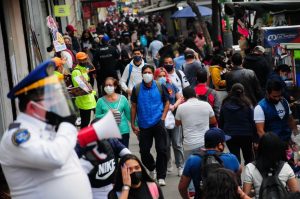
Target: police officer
<point x="105" y="61"/>
<point x="37" y="151"/>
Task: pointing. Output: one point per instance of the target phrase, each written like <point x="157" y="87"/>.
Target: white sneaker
<point x="161" y="182"/>
<point x="153" y="174"/>
<point x="170" y="168"/>
<point x="78" y="121"/>
<point x="180" y="170"/>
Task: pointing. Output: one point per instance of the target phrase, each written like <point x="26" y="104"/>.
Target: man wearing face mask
<point x="273" y="114"/>
<point x="37" y="151"/>
<point x="85" y="103"/>
<point x="132" y="74"/>
<point x="177" y="76"/>
<point x="214" y="140"/>
<point x="149" y="103"/>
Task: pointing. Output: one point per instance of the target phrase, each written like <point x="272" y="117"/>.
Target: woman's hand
<point x="126" y="176"/>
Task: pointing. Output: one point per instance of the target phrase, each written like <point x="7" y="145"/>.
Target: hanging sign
<point x="278" y="35"/>
<point x="58" y="40"/>
<point x="61" y="10"/>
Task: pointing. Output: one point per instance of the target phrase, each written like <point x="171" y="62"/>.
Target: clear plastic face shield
<point x="49" y="99"/>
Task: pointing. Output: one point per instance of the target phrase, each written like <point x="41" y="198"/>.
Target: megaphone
<point x="102" y="129"/>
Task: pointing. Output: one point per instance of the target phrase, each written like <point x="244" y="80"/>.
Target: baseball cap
<point x="214" y="136"/>
<point x="81" y="56"/>
<point x="58" y="61"/>
<point x="259" y="49"/>
<point x="70" y="28"/>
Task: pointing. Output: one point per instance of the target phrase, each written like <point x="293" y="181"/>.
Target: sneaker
<point x="180" y="170"/>
<point x="170" y="168"/>
<point x="153" y="174"/>
<point x="161" y="182"/>
<point x="78" y="121"/>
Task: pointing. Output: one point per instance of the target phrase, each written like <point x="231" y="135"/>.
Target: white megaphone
<point x="103" y="129"/>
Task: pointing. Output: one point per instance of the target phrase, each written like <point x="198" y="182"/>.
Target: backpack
<point x="209" y="163"/>
<point x="143" y="40"/>
<point x="205" y="96"/>
<point x="129" y="73"/>
<point x="271" y="187"/>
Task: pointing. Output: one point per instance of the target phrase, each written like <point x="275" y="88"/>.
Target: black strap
<point x="209" y="90"/>
<point x="180" y="77"/>
<point x="14" y="126"/>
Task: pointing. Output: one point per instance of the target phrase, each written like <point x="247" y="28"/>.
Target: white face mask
<point x="147" y="77"/>
<point x="109" y="90"/>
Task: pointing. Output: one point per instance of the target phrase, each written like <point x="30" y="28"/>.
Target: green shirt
<point x="88" y="101"/>
<point x="103" y="106"/>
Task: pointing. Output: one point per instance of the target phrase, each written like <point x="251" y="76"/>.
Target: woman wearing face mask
<point x="133" y="182"/>
<point x="116" y="103"/>
<point x="175" y="99"/>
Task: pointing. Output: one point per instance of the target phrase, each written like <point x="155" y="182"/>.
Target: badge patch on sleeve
<point x="20" y="136"/>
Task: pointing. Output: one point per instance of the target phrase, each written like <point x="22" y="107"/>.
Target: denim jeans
<point x="174" y="138"/>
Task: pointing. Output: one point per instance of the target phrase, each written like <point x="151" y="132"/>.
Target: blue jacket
<point x="149" y="105"/>
<point x="273" y="123"/>
<point x="236" y="120"/>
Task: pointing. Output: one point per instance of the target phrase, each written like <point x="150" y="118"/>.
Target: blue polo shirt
<point x="193" y="164"/>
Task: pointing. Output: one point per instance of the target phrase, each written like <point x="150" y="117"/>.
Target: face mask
<point x="168" y="67"/>
<point x="162" y="80"/>
<point x="109" y="90"/>
<point x="147" y="78"/>
<point x="137" y="58"/>
<point x="136" y="177"/>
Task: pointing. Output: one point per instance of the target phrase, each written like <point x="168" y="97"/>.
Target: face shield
<point x="50" y="100"/>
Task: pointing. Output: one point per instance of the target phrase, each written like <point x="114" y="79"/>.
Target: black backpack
<point x="271" y="187"/>
<point x="209" y="163"/>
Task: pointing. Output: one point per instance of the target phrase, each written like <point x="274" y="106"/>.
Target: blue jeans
<point x="175" y="139"/>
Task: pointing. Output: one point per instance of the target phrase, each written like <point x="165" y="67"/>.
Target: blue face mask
<point x="284" y="78"/>
<point x="137" y="58"/>
<point x="162" y="80"/>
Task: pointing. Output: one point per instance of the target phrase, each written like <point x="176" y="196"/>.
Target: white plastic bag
<point x="170" y="120"/>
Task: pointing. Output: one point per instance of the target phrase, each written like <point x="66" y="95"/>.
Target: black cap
<point x="189" y="54"/>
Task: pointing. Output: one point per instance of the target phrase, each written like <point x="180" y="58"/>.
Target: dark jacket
<point x="236" y="120"/>
<point x="260" y="66"/>
<point x="248" y="79"/>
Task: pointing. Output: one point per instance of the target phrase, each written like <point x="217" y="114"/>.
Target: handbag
<point x="170" y="120"/>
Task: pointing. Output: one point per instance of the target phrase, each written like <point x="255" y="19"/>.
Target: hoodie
<point x="236" y="120"/>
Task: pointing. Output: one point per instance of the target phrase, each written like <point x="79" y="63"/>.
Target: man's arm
<point x="178" y="122"/>
<point x="124" y="78"/>
<point x="259" y="118"/>
<point x="133" y="116"/>
<point x="260" y="127"/>
<point x="212" y="120"/>
<point x="183" y="186"/>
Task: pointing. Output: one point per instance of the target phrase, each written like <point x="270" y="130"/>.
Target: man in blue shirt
<point x="214" y="142"/>
<point x="149" y="102"/>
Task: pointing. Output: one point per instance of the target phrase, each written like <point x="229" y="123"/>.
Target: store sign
<point x="276" y="36"/>
<point x="58" y="40"/>
<point x="61" y="10"/>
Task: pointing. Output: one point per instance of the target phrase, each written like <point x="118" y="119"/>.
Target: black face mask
<point x="54" y="119"/>
<point x="168" y="67"/>
<point x="136" y="177"/>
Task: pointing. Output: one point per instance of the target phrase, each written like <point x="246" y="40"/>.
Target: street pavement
<point x="170" y="190"/>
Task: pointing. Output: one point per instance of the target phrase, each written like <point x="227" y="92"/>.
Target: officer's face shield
<point x="55" y="97"/>
<point x="50" y="95"/>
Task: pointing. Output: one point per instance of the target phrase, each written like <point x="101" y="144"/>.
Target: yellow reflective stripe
<point x="53" y="79"/>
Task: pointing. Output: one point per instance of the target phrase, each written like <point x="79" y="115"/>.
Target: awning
<point x="263" y="6"/>
<point x="188" y="13"/>
<point x="159" y="8"/>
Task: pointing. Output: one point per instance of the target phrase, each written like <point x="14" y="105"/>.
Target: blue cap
<point x="42" y="71"/>
<point x="105" y="38"/>
<point x="214" y="136"/>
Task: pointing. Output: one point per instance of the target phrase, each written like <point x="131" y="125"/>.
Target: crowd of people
<point x="186" y="99"/>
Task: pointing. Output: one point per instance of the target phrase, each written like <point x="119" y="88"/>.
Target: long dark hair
<point x="271" y="150"/>
<point x="118" y="177"/>
<point x="221" y="184"/>
<point x="237" y="96"/>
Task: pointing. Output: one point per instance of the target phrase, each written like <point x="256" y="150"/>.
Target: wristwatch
<point x="126" y="187"/>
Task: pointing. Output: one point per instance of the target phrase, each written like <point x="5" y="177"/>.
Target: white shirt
<point x="194" y="116"/>
<point x="259" y="115"/>
<point x="177" y="81"/>
<point x="135" y="76"/>
<point x="45" y="166"/>
<point x="252" y="176"/>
